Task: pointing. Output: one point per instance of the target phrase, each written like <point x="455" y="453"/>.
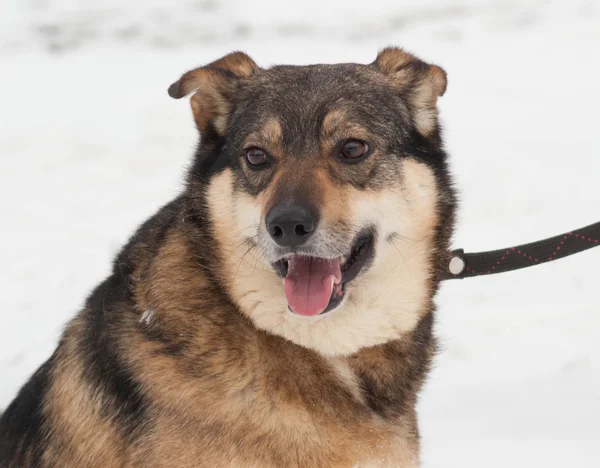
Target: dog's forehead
<point x="316" y="82"/>
<point x="302" y="100"/>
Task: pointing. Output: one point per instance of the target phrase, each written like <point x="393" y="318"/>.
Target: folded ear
<point x="420" y="82"/>
<point x="214" y="87"/>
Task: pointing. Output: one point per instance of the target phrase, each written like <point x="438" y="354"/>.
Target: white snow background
<point x="91" y="145"/>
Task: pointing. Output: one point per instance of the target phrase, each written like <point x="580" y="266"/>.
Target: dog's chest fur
<point x="293" y="410"/>
<point x="284" y="407"/>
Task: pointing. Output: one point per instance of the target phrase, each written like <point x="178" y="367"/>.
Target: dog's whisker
<point x="401" y="254"/>
<point x="250" y="248"/>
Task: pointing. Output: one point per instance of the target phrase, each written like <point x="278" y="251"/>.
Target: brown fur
<point x="187" y="356"/>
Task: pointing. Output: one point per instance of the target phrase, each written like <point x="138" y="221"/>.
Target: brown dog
<point x="279" y="312"/>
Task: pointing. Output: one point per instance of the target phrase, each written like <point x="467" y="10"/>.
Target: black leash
<point x="464" y="265"/>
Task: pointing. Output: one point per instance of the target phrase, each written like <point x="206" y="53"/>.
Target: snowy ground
<point x="90" y="146"/>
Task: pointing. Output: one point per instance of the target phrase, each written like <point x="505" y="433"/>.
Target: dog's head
<point x="326" y="193"/>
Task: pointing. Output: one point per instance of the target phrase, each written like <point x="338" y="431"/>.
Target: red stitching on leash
<point x="556" y="247"/>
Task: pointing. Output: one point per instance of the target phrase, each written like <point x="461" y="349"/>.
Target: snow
<point x="91" y="145"/>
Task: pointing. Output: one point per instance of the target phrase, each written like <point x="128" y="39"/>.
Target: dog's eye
<point x="256" y="157"/>
<point x="354" y="150"/>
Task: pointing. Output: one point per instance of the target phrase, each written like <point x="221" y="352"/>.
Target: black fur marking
<point x="211" y="156"/>
<point x="171" y="343"/>
<point x="22" y="425"/>
<point x="104" y="367"/>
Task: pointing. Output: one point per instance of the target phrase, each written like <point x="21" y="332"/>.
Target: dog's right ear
<point x="419" y="82"/>
<point x="213" y="86"/>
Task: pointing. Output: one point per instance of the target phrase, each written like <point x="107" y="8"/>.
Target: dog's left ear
<point x="214" y="86"/>
<point x="420" y="83"/>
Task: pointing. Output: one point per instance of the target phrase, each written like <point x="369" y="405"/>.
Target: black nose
<point x="291" y="225"/>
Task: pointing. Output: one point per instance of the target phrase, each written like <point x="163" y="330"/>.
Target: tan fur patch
<point x="271" y="131"/>
<point x="74" y="411"/>
<point x="332" y="121"/>
<point x="347" y="376"/>
<point x="209" y="105"/>
<point x="338" y="125"/>
<point x="268" y="137"/>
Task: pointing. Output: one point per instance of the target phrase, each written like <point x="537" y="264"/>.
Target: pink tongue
<point x="309" y="283"/>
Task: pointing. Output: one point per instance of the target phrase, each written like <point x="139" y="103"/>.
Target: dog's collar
<point x="465" y="265"/>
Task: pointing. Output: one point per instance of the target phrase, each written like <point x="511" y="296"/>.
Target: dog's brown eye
<point x="256" y="157"/>
<point x="354" y="149"/>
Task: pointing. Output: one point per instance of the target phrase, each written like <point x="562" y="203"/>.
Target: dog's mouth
<point x="315" y="285"/>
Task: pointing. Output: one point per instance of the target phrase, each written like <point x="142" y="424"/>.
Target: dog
<point x="279" y="311"/>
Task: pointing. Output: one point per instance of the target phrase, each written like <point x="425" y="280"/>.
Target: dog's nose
<point x="291" y="225"/>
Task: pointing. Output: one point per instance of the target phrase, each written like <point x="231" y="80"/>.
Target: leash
<point x="465" y="265"/>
